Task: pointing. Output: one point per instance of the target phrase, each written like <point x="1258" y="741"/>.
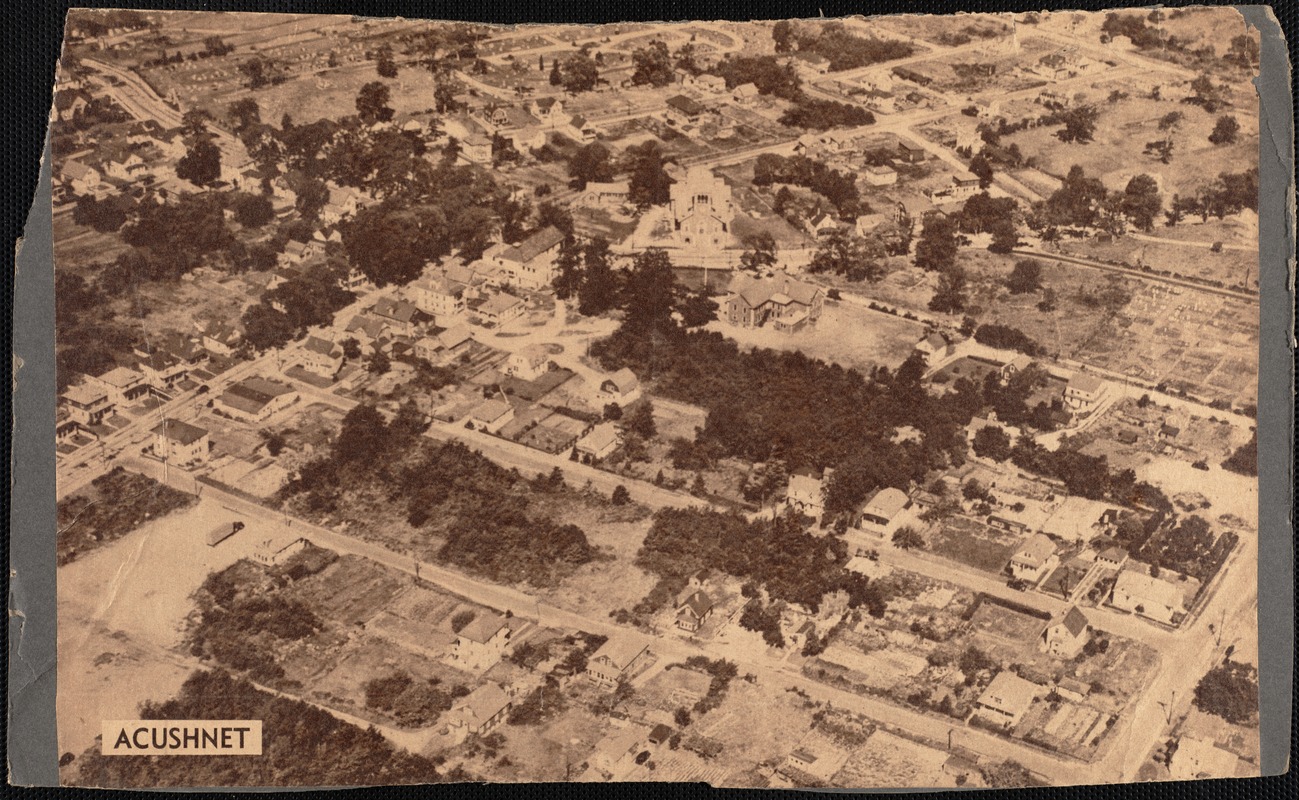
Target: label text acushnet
<point x="182" y="737"/>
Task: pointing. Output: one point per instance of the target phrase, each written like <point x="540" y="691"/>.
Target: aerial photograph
<point x="861" y="402"/>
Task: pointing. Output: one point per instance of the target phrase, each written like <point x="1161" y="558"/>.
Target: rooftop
<point x="179" y="431"/>
<point x="533" y="246"/>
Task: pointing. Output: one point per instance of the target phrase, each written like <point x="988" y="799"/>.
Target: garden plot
<point x="890" y="760"/>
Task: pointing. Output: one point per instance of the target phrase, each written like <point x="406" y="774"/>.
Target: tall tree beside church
<point x="568" y="280"/>
<point x="649" y="296"/>
<point x="649" y="184"/>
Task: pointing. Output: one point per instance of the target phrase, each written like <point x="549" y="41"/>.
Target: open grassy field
<point x="1115" y="154"/>
<point x="846" y="334"/>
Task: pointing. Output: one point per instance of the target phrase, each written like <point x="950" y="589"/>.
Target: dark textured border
<point x="32" y="39"/>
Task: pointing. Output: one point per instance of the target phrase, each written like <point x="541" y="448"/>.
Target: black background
<point x="33" y="35"/>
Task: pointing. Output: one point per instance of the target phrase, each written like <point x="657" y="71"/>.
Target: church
<point x="702" y="210"/>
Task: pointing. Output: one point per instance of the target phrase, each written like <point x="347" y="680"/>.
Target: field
<point x="891" y="760"/>
<point x="1125" y="126"/>
<point x="838" y="337"/>
<point x="972" y="543"/>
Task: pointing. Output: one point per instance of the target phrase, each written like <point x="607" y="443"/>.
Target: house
<point x="482" y="642"/>
<point x="220" y="337"/>
<point x="1065" y="635"/>
<point x="1127" y="436"/>
<point x="745" y="93"/>
<point x="500" y="309"/>
<point x="622" y="387"/>
<point x="438" y="296"/>
<point x="1169" y="432"/>
<point x="702" y="209"/>
<point x="1072" y="689"/>
<point x="1035" y="560"/>
<point x="480" y="711"/>
<point x="81" y="179"/>
<point x="806" y="495"/>
<point x="344" y="202"/>
<point x="659" y="734"/>
<point x="491" y="415"/>
<point x="322" y="357"/>
<point x="713" y="84"/>
<point x="1201" y="758"/>
<point x="161" y="369"/>
<point x="911" y="153"/>
<point x="990" y="421"/>
<point x="179" y="442"/>
<point x="965" y="185"/>
<point x="1083" y="391"/>
<point x="366" y="328"/>
<point x="692" y="610"/>
<point x="123" y="385"/>
<point x="879" y="100"/>
<point x="476" y="148"/>
<point x="275" y="550"/>
<point x="933" y="347"/>
<point x="884" y="508"/>
<point x="401" y="316"/>
<point x="355" y="281"/>
<point x="529" y="363"/>
<point x="789" y="304"/>
<point x="427" y="348"/>
<point x="1016" y="365"/>
<point x="615" y="661"/>
<point x="255" y="399"/>
<point x="598" y="443"/>
<point x="908" y="74"/>
<point x="913" y="209"/>
<point x="867" y="224"/>
<point x="880" y="175"/>
<point x="604" y="195"/>
<point x="1007" y="698"/>
<point x="295" y="253"/>
<point x="582" y="129"/>
<point x="68" y="105"/>
<point x="1154" y="598"/>
<point x="529" y="264"/>
<point x="453" y="339"/>
<point x="125" y="165"/>
<point x="811" y="64"/>
<point x="549" y="111"/>
<point x="1112" y="557"/>
<point x="87" y="403"/>
<point x="821" y="223"/>
<point x="682" y="110"/>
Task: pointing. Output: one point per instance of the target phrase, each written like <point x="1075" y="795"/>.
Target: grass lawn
<point x="973" y="544"/>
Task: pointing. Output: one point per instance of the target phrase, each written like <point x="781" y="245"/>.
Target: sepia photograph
<point x="860" y="403"/>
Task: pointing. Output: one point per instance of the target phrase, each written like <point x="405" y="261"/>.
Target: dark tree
<point x="385" y="64"/>
<point x="649" y="295"/>
<point x="697" y="309"/>
<point x="759" y="251"/>
<point x="1141" y="201"/>
<point x="372" y="103"/>
<point x="1079" y="124"/>
<point x="620" y="496"/>
<point x="992" y="442"/>
<point x="1230" y="691"/>
<point x="982" y="167"/>
<point x="937" y="246"/>
<point x="1225" y="131"/>
<point x="1026" y="277"/>
<point x="590" y="164"/>
<point x="201" y="164"/>
<point x="600" y="285"/>
<point x="641" y="421"/>
<point x="653" y="65"/>
<point x="568" y="279"/>
<point x="649" y="184"/>
<point x="949" y="295"/>
<point x="253" y="210"/>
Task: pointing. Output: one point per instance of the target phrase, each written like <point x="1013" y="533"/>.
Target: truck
<point x="223" y="531"/>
